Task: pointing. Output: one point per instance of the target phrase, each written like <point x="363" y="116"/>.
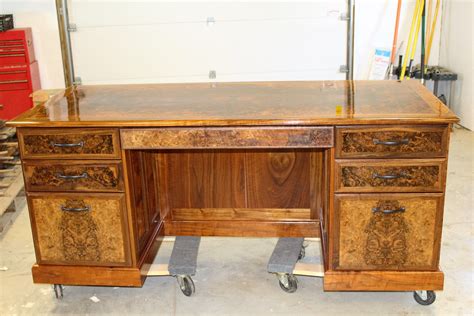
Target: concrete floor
<point x="232" y="278"/>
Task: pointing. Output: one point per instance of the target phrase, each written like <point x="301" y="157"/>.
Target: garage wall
<point x="156" y="41"/>
<point x="457" y="50"/>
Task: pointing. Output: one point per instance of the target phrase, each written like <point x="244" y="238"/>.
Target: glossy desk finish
<point x="361" y="164"/>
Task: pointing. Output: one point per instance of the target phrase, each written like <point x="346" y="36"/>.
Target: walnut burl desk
<point x="360" y="164"/>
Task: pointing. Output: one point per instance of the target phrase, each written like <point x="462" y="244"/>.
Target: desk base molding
<point x="242" y="229"/>
<point x="383" y="280"/>
<point x="84" y="275"/>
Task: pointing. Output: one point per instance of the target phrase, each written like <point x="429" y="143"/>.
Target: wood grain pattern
<point x="421" y="141"/>
<point x="84" y="275"/>
<point x="222" y="137"/>
<point x="245" y="214"/>
<point x="241" y="104"/>
<point x="95" y="176"/>
<point x="383" y="280"/>
<point x="88" y="143"/>
<point x="243" y="228"/>
<point x="416" y="175"/>
<point x="278" y="179"/>
<point x="202" y="179"/>
<point x="143" y="200"/>
<point x="368" y="240"/>
<point x="94" y="236"/>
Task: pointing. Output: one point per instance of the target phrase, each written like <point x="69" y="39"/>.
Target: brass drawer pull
<point x="388" y="176"/>
<point x="72" y="177"/>
<point x="75" y="209"/>
<point x="391" y="142"/>
<point x="80" y="144"/>
<point x="397" y="210"/>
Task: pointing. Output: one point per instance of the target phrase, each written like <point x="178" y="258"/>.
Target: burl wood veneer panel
<point x="398" y="141"/>
<point x="224" y="137"/>
<point x="390" y="175"/>
<point x="73" y="175"/>
<point x="406" y="240"/>
<point x="71" y="143"/>
<point x="79" y="229"/>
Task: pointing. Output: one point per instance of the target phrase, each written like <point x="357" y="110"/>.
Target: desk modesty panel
<point x="361" y="164"/>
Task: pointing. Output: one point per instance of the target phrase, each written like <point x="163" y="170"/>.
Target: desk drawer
<point x="79" y="229"/>
<point x="227" y="137"/>
<point x="387" y="232"/>
<point x="72" y="175"/>
<point x="398" y="141"/>
<point x="375" y="175"/>
<point x="69" y="143"/>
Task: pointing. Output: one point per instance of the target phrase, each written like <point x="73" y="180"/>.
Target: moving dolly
<point x="182" y="265"/>
<point x="284" y="262"/>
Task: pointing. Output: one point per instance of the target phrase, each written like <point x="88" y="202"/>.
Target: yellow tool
<point x="432" y="31"/>
<point x="417" y="33"/>
<point x="410" y="35"/>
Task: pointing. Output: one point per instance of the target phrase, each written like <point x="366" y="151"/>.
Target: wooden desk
<point x="360" y="164"/>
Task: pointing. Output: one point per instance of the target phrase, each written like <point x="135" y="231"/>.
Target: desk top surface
<point x="243" y="103"/>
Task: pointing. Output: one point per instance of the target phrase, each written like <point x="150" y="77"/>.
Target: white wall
<point x="374" y="28"/>
<point x="456" y="53"/>
<point x="40" y="15"/>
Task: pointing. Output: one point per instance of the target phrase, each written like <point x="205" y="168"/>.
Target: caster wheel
<point x="302" y="253"/>
<point x="426" y="297"/>
<point x="186" y="285"/>
<point x="58" y="291"/>
<point x="289" y="283"/>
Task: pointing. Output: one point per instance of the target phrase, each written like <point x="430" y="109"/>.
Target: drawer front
<point x="14" y="84"/>
<point x="410" y="141"/>
<point x="69" y="143"/>
<point x="224" y="137"/>
<point x="387" y="232"/>
<point x="73" y="176"/>
<point x="13" y="103"/>
<point x="374" y="175"/>
<point x="79" y="229"/>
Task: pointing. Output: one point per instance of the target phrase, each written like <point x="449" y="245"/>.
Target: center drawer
<point x="387" y="231"/>
<point x="73" y="175"/>
<point x="79" y="229"/>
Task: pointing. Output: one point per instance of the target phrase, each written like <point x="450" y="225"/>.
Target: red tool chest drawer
<point x="13" y="103"/>
<point x="19" y="75"/>
<point x="16" y="46"/>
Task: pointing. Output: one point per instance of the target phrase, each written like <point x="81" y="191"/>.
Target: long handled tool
<point x="432" y="31"/>
<point x="395" y="39"/>
<point x="422" y="60"/>
<point x="417" y="32"/>
<point x="410" y="38"/>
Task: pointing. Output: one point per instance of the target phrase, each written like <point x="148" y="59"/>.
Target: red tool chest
<point x="19" y="75"/>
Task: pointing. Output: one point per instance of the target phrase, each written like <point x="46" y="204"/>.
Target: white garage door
<point x="157" y="41"/>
